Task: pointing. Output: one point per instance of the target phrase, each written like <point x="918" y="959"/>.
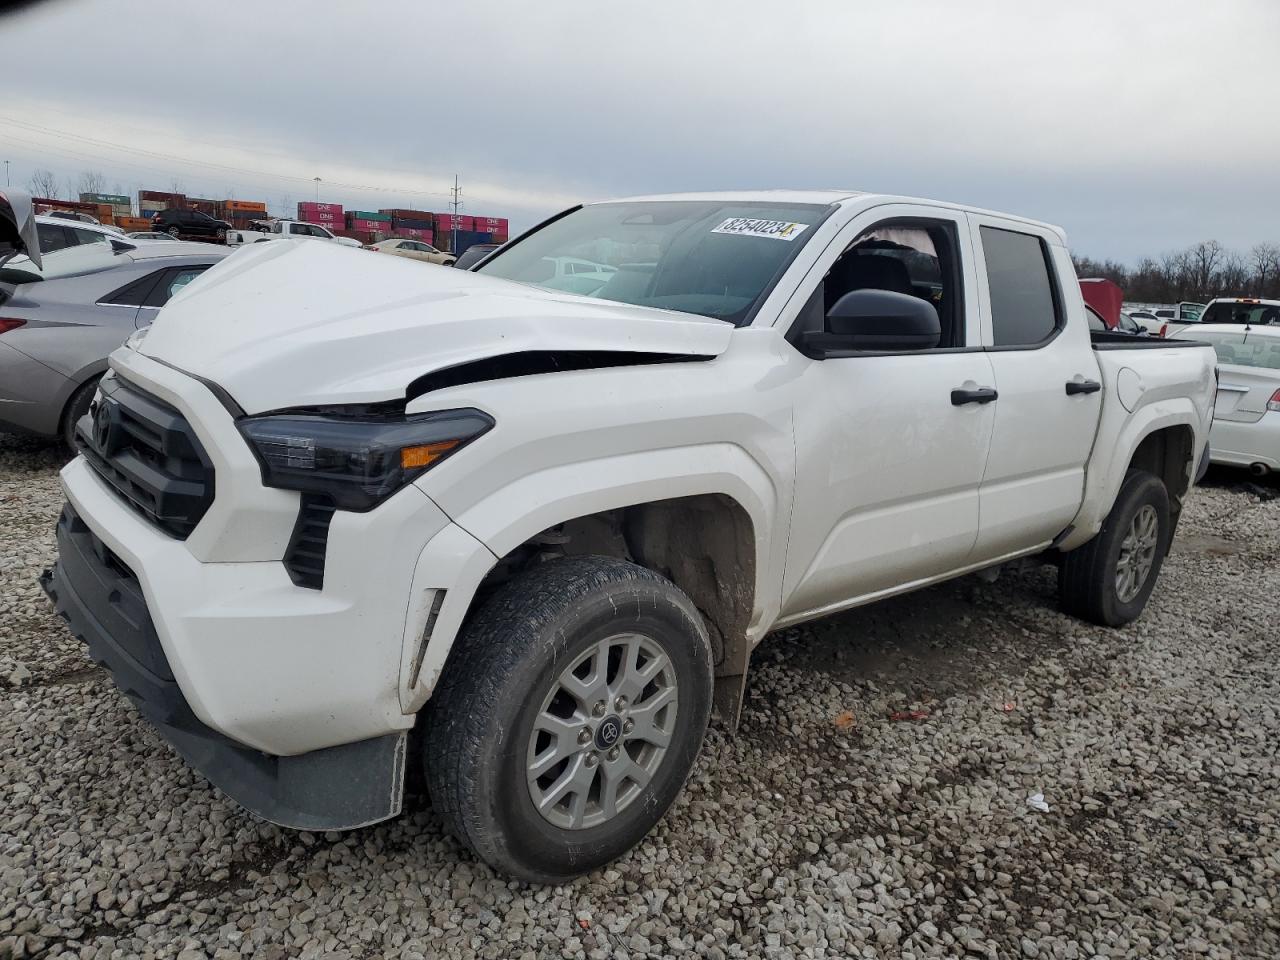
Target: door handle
<point x="981" y="395"/>
<point x="1082" y="386"/>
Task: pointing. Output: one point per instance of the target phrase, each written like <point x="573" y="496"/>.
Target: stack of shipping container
<point x="110" y="205"/>
<point x="327" y="215"/>
<point x="242" y="213"/>
<point x="412" y="224"/>
<point x="445" y="231"/>
<point x="151" y="202"/>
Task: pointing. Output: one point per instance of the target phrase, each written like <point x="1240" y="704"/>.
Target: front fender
<point x="455" y="562"/>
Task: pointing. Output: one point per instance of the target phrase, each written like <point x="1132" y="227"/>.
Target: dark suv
<point x="190" y="223"/>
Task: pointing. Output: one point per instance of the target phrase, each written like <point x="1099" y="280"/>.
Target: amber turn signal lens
<point x="425" y="454"/>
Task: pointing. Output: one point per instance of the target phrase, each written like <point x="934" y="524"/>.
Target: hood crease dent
<point x="292" y="323"/>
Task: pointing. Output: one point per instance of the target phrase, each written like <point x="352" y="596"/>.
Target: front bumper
<point x="338" y="787"/>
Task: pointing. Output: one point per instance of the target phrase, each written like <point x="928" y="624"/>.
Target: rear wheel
<point x="76" y="408"/>
<point x="1109" y="579"/>
<point x="572" y="709"/>
<point x="173" y="232"/>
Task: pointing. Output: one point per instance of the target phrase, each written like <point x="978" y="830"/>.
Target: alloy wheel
<point x="1137" y="553"/>
<point x="602" y="731"/>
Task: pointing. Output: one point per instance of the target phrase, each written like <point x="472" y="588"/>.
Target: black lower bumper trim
<point x="336" y="788"/>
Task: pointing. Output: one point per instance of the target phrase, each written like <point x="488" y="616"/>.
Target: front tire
<point x="569" y="715"/>
<point x="173" y="232"/>
<point x="1109" y="579"/>
<point x="76" y="408"/>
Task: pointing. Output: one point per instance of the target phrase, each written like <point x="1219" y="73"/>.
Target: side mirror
<point x="875" y="320"/>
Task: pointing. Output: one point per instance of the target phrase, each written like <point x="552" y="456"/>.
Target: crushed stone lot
<point x="873" y="804"/>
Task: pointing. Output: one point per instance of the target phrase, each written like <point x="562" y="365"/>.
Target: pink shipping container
<point x="413" y="233"/>
<point x="309" y="207"/>
<point x="367" y="226"/>
<point x="491" y="225"/>
<point x="450" y="222"/>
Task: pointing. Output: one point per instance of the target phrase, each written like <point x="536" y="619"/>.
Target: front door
<point x="889" y="462"/>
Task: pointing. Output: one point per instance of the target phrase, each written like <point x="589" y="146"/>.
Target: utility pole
<point x="457" y="202"/>
<point x="317" y="180"/>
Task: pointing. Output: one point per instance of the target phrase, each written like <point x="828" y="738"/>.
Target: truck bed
<point x="1110" y="340"/>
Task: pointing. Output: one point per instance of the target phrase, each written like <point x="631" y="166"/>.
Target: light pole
<point x="317" y="180"/>
<point x="6" y="173"/>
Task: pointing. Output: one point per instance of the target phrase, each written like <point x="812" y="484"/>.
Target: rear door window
<point x="1024" y="309"/>
<point x="53" y="237"/>
<point x="89" y="236"/>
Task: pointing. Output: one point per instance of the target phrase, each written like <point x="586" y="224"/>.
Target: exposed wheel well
<point x="703" y="544"/>
<point x="1170" y="455"/>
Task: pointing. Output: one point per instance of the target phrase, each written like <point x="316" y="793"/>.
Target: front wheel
<point x="173" y="232"/>
<point x="1109" y="579"/>
<point x="571" y="711"/>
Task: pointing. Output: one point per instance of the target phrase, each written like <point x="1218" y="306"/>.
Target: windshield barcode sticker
<point x="773" y="229"/>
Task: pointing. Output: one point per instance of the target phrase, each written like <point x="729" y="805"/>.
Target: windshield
<point x="1225" y="311"/>
<point x="714" y="258"/>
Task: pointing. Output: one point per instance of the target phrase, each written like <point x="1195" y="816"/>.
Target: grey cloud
<point x="1139" y="127"/>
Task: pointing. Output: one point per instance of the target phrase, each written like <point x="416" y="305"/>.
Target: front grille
<point x="304" y="560"/>
<point x="149" y="454"/>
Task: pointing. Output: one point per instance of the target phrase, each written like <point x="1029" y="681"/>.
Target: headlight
<point x="357" y="461"/>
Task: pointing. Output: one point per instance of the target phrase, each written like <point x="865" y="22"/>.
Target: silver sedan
<point x="63" y="312"/>
<point x="1246" y="415"/>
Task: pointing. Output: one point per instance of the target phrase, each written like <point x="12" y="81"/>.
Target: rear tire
<point x="173" y="232"/>
<point x="1109" y="579"/>
<point x="570" y="642"/>
<point x="76" y="408"/>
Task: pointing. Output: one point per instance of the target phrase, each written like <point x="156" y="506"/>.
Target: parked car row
<point x="65" y="309"/>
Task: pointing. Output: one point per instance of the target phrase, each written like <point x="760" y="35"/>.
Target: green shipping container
<point x="366" y="215"/>
<point x="114" y="199"/>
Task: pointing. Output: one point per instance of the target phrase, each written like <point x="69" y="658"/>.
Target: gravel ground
<point x="824" y="829"/>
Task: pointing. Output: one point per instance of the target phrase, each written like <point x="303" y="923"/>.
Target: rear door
<point x="1047" y="380"/>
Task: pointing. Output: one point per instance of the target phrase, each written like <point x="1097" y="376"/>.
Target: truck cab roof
<point x="843" y="198"/>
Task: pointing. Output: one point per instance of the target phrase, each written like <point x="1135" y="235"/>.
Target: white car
<point x="414" y="250"/>
<point x="58" y="233"/>
<point x="1246" y="416"/>
<point x="1166" y="321"/>
<point x="547" y="529"/>
<point x="292" y="229"/>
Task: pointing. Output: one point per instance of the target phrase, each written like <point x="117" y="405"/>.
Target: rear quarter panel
<point x="1144" y="390"/>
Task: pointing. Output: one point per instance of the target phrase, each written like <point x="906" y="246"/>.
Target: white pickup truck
<point x="290" y="229"/>
<point x="329" y="500"/>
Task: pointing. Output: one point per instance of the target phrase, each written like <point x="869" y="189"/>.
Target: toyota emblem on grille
<point x="105" y="420"/>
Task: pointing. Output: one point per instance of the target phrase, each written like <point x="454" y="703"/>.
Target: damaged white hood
<point x="289" y="323"/>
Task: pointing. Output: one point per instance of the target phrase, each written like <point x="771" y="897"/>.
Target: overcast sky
<point x="1139" y="125"/>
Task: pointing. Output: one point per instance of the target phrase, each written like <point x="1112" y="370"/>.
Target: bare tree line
<point x="1200" y="273"/>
